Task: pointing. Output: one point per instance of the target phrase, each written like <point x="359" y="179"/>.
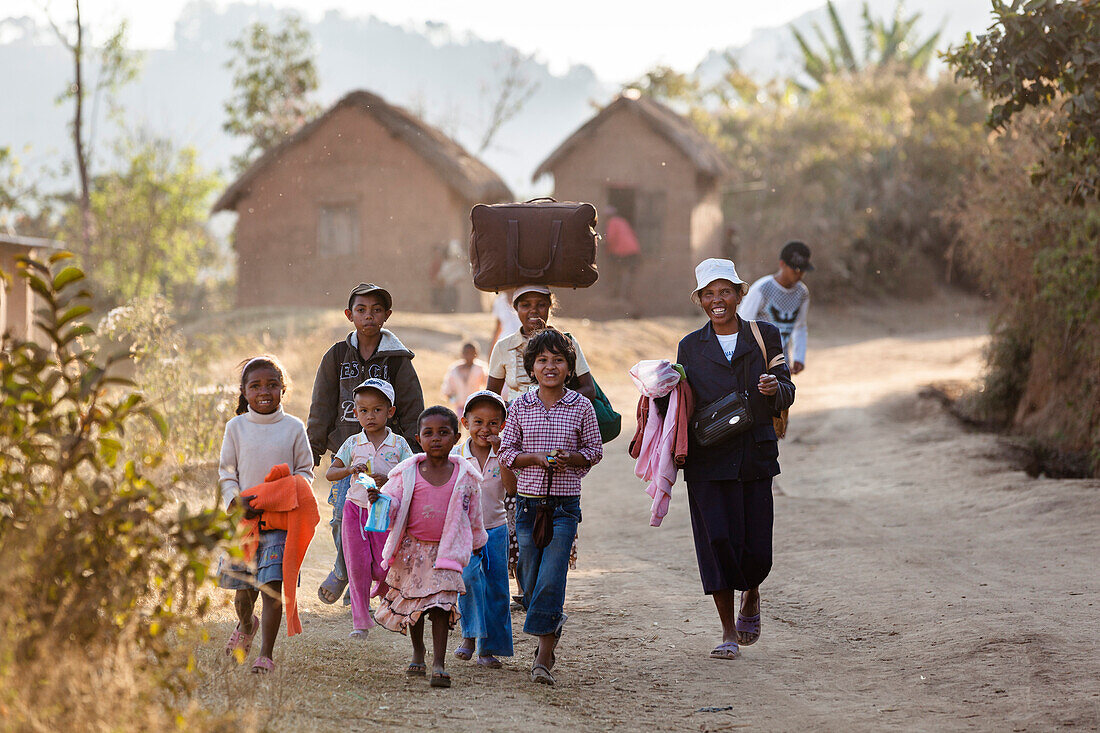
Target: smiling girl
<point x="260" y="437"/>
<point x="551" y="439"/>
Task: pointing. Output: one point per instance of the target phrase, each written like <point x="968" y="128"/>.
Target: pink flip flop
<point x="240" y="640"/>
<point x="263" y="665"/>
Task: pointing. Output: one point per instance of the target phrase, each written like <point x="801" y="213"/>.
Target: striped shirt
<point x="570" y="424"/>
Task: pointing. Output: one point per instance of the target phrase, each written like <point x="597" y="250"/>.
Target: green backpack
<point x="611" y="422"/>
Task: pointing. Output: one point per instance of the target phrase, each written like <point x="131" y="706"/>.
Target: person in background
<point x="622" y="245"/>
<point x="783" y="300"/>
<point x="464" y="377"/>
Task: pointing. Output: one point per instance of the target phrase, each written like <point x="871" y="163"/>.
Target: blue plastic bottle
<point x="379" y="518"/>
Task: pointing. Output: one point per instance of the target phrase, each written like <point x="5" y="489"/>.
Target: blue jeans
<point x="340" y="491"/>
<point x="544" y="570"/>
<point x="485" y="607"/>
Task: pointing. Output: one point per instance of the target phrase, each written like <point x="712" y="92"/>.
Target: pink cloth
<point x="429" y="508"/>
<point x="363" y="556"/>
<point x="656" y="460"/>
<point x="463" y="528"/>
<point x="621" y="240"/>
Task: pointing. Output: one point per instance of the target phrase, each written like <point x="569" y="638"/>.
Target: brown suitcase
<point x="540" y="242"/>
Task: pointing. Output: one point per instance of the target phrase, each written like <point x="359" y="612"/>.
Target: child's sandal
<point x="240" y="640"/>
<point x="440" y="679"/>
<point x="263" y="665"/>
<point x="416" y="670"/>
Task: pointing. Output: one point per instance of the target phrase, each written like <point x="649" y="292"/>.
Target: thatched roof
<point x="668" y="124"/>
<point x="467" y="175"/>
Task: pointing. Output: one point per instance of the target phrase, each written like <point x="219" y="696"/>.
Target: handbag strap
<point x="780" y="358"/>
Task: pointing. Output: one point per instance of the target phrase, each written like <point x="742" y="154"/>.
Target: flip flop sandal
<point x="749" y="628"/>
<point x="330" y="590"/>
<point x="416" y="670"/>
<point x="541" y="675"/>
<point x="491" y="662"/>
<point x="240" y="640"/>
<point x="726" y="650"/>
<point x="359" y="634"/>
<point x="553" y="657"/>
<point x="263" y="665"/>
<point x="465" y="653"/>
<point x="440" y="679"/>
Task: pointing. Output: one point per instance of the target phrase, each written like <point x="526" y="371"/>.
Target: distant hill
<point x="445" y="77"/>
<point x="773" y="52"/>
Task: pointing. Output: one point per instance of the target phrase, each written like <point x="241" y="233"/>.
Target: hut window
<point x="338" y="231"/>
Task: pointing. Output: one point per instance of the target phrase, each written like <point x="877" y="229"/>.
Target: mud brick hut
<point x="366" y="192"/>
<point x="664" y="177"/>
<point x="17" y="300"/>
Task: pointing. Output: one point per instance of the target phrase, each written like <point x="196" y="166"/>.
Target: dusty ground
<point x="920" y="583"/>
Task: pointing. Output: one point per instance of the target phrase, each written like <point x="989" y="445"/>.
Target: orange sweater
<point x="287" y="502"/>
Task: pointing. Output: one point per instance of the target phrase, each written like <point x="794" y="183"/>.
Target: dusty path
<point x="919" y="584"/>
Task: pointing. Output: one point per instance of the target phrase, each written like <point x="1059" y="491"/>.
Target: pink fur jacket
<point x="463" y="529"/>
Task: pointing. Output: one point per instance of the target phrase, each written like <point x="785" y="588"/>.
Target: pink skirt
<point x="416" y="585"/>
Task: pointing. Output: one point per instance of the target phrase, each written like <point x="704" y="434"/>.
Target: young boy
<point x="783" y="299"/>
<point x="486" y="616"/>
<point x="464" y="377"/>
<point x="375" y="451"/>
<point x="370" y="351"/>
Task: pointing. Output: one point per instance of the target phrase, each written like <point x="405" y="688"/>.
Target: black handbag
<point x="722" y="419"/>
<point x="729" y="416"/>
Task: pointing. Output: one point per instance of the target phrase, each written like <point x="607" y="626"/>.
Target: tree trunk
<point x="78" y="140"/>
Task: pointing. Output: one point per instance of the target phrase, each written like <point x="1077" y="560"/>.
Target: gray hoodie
<point x="332" y="411"/>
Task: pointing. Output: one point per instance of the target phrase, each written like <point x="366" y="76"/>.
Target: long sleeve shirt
<point x="786" y="308"/>
<point x="569" y="424"/>
<point x="254" y="443"/>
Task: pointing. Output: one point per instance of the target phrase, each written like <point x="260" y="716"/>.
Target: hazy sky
<point x="618" y="39"/>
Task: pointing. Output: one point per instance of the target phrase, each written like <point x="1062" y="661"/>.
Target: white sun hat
<point x="713" y="269"/>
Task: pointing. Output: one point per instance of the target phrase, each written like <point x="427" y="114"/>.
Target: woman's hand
<point x="768" y="384"/>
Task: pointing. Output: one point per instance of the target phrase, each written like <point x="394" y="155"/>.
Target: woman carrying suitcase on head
<point x="730" y="481"/>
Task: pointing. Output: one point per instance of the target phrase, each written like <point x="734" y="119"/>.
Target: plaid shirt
<point x="570" y="424"/>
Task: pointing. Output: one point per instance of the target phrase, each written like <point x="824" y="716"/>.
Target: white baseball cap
<point x="713" y="269"/>
<point x="377" y="384"/>
<point x="524" y="289"/>
<point x="485" y="394"/>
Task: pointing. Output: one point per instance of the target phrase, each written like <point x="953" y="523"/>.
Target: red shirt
<point x="621" y="240"/>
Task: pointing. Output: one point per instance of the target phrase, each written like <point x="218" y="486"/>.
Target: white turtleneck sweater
<point x="254" y="443"/>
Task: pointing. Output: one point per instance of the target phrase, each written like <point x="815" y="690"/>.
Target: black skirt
<point x="732" y="524"/>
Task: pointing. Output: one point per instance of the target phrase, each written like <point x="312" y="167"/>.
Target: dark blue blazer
<point x="754" y="454"/>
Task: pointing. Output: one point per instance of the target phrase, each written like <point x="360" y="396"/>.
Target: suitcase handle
<point x="513" y="249"/>
<point x="551" y="199"/>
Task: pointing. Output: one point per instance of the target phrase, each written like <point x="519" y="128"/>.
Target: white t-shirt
<point x="729" y="344"/>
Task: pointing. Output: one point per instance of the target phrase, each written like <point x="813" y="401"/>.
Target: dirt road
<point x="920" y="583"/>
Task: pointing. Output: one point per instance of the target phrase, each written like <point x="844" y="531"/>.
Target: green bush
<point x="97" y="562"/>
<point x="867" y="161"/>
